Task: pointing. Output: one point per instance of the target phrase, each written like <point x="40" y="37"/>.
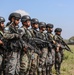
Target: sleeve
<point x="7" y="34"/>
<point x="55" y="37"/>
<point x="56" y="40"/>
<point x="21" y="31"/>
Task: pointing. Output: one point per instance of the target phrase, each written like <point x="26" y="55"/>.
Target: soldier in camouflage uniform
<point x="58" y="51"/>
<point x="51" y="52"/>
<point x="35" y="26"/>
<point x="2" y="20"/>
<point x="34" y="31"/>
<point x="26" y="54"/>
<point x="14" y="45"/>
<point x="43" y="48"/>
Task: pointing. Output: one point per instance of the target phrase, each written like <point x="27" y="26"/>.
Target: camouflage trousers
<point x="53" y="56"/>
<point x="34" y="64"/>
<point x="42" y="62"/>
<point x="12" y="63"/>
<point x="58" y="60"/>
<point x="50" y="61"/>
<point x="1" y="59"/>
<point x="24" y="64"/>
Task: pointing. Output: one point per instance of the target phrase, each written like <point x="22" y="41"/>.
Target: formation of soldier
<point x="29" y="51"/>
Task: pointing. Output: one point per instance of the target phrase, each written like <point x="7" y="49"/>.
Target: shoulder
<point x="55" y="36"/>
<point x="21" y="31"/>
<point x="31" y="30"/>
<point x="6" y="29"/>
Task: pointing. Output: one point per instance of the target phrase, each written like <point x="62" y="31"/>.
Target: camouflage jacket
<point x="57" y="40"/>
<point x="50" y="37"/>
<point x="10" y="33"/>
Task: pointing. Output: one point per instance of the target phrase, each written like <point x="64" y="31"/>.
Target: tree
<point x="71" y="40"/>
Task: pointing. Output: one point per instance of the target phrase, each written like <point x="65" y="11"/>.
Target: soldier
<point x="2" y="20"/>
<point x="34" y="31"/>
<point x="43" y="48"/>
<point x="51" y="51"/>
<point x="58" y="51"/>
<point x="26" y="54"/>
<point x="14" y="45"/>
<point x="35" y="25"/>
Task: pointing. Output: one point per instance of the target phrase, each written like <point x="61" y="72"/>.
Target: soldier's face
<point x="28" y="23"/>
<point x="43" y="29"/>
<point x="59" y="33"/>
<point x="17" y="21"/>
<point x="50" y="29"/>
<point x="36" y="26"/>
<point x="2" y="24"/>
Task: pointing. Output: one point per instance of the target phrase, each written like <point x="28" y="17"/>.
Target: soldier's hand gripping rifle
<point x="65" y="45"/>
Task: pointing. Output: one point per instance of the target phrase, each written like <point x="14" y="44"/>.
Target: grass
<point x="67" y="67"/>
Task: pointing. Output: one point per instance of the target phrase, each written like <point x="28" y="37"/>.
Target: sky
<point x="58" y="12"/>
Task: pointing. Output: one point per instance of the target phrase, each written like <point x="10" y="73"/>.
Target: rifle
<point x="65" y="45"/>
<point x="36" y="50"/>
<point x="41" y="42"/>
<point x="24" y="44"/>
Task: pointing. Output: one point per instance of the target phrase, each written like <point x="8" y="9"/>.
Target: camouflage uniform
<point x="42" y="59"/>
<point x="58" y="54"/>
<point x="14" y="48"/>
<point x="25" y="56"/>
<point x="2" y="45"/>
<point x="35" y="56"/>
<point x="51" y="54"/>
<point x="1" y="53"/>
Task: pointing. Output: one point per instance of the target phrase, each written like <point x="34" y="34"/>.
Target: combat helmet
<point x="2" y="19"/>
<point x="35" y="21"/>
<point x="15" y="15"/>
<point x="49" y="25"/>
<point x="25" y="18"/>
<point x="58" y="30"/>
